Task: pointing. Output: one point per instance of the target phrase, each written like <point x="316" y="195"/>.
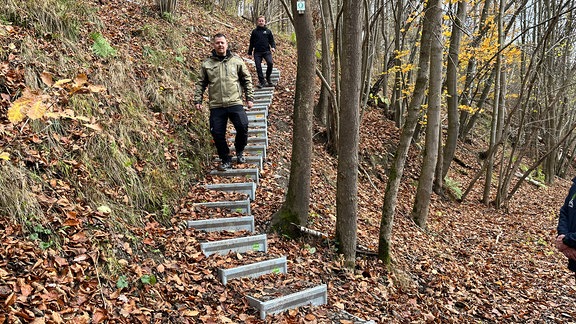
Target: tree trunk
<point x="168" y="6"/>
<point x="397" y="92"/>
<point x="424" y="190"/>
<point x="324" y="101"/>
<point x="397" y="168"/>
<point x="451" y="84"/>
<point x="296" y="205"/>
<point x="347" y="179"/>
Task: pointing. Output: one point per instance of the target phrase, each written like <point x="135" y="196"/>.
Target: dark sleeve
<point x="251" y="46"/>
<point x="564" y="220"/>
<point x="271" y="40"/>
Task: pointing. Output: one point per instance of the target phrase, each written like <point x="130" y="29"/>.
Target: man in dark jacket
<point x="262" y="43"/>
<point x="566" y="240"/>
<point x="226" y="77"/>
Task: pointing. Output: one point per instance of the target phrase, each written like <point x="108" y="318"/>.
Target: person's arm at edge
<point x="251" y="46"/>
<point x="271" y="42"/>
<point x="568" y="238"/>
<point x="246" y="82"/>
<point x="201" y="85"/>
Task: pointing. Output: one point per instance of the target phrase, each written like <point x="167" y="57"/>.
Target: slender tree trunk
<point x="397" y="95"/>
<point x="347" y="179"/>
<point x="424" y="190"/>
<point x="496" y="115"/>
<point x="397" y="168"/>
<point x="296" y="206"/>
<point x="451" y="83"/>
<point x="324" y="101"/>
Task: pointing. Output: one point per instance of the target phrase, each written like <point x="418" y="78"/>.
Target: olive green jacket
<point x="225" y="79"/>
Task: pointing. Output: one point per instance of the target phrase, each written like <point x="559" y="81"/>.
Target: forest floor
<point x="473" y="263"/>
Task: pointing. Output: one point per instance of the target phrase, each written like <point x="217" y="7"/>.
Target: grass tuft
<point x="18" y="199"/>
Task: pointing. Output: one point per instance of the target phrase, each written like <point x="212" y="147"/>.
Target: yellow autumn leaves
<point x="36" y="105"/>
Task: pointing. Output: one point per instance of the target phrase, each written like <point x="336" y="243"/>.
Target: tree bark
<point x="424" y="190"/>
<point x="296" y="206"/>
<point x="397" y="168"/>
<point x="347" y="179"/>
<point x="451" y="84"/>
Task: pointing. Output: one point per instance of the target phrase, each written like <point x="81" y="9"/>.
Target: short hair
<point x="219" y="35"/>
<point x="261" y="16"/>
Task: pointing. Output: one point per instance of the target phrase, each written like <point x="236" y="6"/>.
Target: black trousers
<point x="218" y="122"/>
<point x="267" y="56"/>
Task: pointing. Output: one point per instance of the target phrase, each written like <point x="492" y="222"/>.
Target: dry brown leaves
<point x="473" y="264"/>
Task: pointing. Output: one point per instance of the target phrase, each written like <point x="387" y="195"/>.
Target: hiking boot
<point x="259" y="86"/>
<point x="240" y="158"/>
<point x="269" y="83"/>
<point x="225" y="166"/>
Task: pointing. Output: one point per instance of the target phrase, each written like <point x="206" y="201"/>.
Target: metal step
<point x="259" y="118"/>
<point x="253" y="174"/>
<point x="315" y="296"/>
<point x="260" y="124"/>
<point x="258" y="114"/>
<point x="250" y="159"/>
<point x="247" y="188"/>
<point x="243" y="223"/>
<point x="260" y="109"/>
<point x="264" y="93"/>
<point x="254" y="140"/>
<point x="258" y="132"/>
<point x="239" y="206"/>
<point x="254" y="150"/>
<point x="238" y="245"/>
<point x="254" y="269"/>
<point x="262" y="101"/>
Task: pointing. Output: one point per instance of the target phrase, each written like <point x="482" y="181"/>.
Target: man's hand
<point x="249" y="105"/>
<point x="560" y="243"/>
<point x="273" y="50"/>
<point x="198" y="106"/>
<point x="569" y="252"/>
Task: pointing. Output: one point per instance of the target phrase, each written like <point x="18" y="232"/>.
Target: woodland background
<point x="102" y="157"/>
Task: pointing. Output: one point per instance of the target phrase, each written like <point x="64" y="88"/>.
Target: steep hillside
<point x="94" y="189"/>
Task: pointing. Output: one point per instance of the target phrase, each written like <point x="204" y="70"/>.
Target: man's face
<point x="261" y="22"/>
<point x="220" y="45"/>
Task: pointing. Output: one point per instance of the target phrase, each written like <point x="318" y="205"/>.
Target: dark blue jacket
<point x="567" y="222"/>
<point x="261" y="40"/>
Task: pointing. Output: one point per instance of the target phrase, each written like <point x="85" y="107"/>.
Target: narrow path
<point x="235" y="216"/>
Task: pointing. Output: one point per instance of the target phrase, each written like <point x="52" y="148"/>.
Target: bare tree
<point x="452" y="90"/>
<point x="397" y="168"/>
<point x="296" y="205"/>
<point x="168" y="6"/>
<point x="424" y="190"/>
<point x="347" y="179"/>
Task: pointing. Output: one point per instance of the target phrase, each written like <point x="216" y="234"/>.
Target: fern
<point x="101" y="47"/>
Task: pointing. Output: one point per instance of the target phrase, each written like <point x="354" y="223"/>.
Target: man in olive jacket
<point x="566" y="239"/>
<point x="227" y="79"/>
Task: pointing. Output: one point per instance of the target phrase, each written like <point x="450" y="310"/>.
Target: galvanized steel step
<point x="254" y="150"/>
<point x="251" y="173"/>
<point x="247" y="188"/>
<point x="253" y="270"/>
<point x="239" y="206"/>
<point x="257" y="114"/>
<point x="315" y="296"/>
<point x="238" y="245"/>
<point x="242" y="223"/>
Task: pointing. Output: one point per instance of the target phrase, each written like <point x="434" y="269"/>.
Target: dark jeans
<point x="267" y="56"/>
<point x="218" y="121"/>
